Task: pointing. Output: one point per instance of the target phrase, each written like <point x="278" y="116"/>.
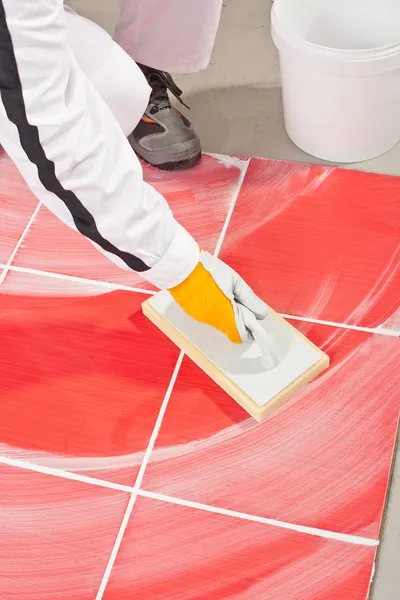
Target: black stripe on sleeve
<point x="13" y="100"/>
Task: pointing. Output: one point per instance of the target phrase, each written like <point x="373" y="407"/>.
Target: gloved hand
<point x="215" y="294"/>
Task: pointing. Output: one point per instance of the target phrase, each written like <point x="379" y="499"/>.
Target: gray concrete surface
<point x="236" y="107"/>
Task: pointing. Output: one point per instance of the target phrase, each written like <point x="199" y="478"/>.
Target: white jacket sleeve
<point x="72" y="153"/>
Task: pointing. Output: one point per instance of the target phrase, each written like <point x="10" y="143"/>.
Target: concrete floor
<point x="237" y="109"/>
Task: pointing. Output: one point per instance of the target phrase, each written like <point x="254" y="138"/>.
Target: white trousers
<point x="170" y="35"/>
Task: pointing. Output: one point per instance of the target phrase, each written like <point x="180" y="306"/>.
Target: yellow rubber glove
<point x="216" y="295"/>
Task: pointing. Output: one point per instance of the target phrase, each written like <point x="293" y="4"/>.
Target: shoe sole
<point x="176" y="166"/>
<point x="183" y="154"/>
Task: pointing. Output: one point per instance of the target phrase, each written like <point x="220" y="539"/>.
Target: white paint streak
<point x="377" y="290"/>
<point x="392" y="322"/>
<point x="283" y="183"/>
<point x="324" y="294"/>
<point x="229" y="161"/>
<point x="281" y="176"/>
<point x="72" y="463"/>
<point x="317" y="181"/>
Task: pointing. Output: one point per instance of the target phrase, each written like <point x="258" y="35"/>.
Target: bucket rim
<point x="355" y="55"/>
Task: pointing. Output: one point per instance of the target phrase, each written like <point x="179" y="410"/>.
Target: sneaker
<point x="164" y="138"/>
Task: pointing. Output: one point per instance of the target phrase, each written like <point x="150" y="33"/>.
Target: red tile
<point x="319" y="242"/>
<point x="172" y="552"/>
<point x="82" y="376"/>
<point x="17" y="205"/>
<point x="200" y="199"/>
<point x="323" y="460"/>
<point x="56" y="536"/>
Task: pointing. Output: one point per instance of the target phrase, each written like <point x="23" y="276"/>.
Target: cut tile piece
<point x="17" y="205"/>
<point x="319" y="242"/>
<point x="200" y="199"/>
<point x="322" y="460"/>
<point x="259" y="377"/>
<point x="172" y="552"/>
<point x="56" y="535"/>
<point x="82" y="376"/>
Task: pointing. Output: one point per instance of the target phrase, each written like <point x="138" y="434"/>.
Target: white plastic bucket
<point x="340" y="70"/>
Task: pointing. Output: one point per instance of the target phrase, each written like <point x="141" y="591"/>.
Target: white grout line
<point x="331" y="535"/>
<point x="381" y="331"/>
<point x="18" y="244"/>
<point x="158" y="422"/>
<point x="231" y="208"/>
<point x="116" y="286"/>
<point x="135" y="491"/>
<point x="139" y="480"/>
<point x="29" y="466"/>
<point x="116" y="547"/>
<point x="83" y="280"/>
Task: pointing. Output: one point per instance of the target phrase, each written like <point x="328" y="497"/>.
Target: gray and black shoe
<point x="164" y="138"/>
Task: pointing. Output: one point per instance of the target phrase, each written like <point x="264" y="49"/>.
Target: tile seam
<point x="115" y="286"/>
<point x="232" y="206"/>
<point x="19" y="243"/>
<point x="322" y="533"/>
<point x="139" y="479"/>
<point x="136" y="491"/>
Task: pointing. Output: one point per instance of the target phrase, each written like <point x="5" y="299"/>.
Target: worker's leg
<point x="114" y="74"/>
<point x="168" y="35"/>
<point x="162" y="36"/>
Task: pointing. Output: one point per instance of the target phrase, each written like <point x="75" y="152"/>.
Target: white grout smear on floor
<point x="229" y="161"/>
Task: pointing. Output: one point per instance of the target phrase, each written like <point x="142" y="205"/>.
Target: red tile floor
<point x="125" y="472"/>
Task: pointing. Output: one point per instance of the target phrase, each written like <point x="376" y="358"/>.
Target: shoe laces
<point x="160" y="83"/>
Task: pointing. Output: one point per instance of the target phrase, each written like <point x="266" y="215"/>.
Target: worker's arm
<point x="72" y="153"/>
<point x="74" y="157"/>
